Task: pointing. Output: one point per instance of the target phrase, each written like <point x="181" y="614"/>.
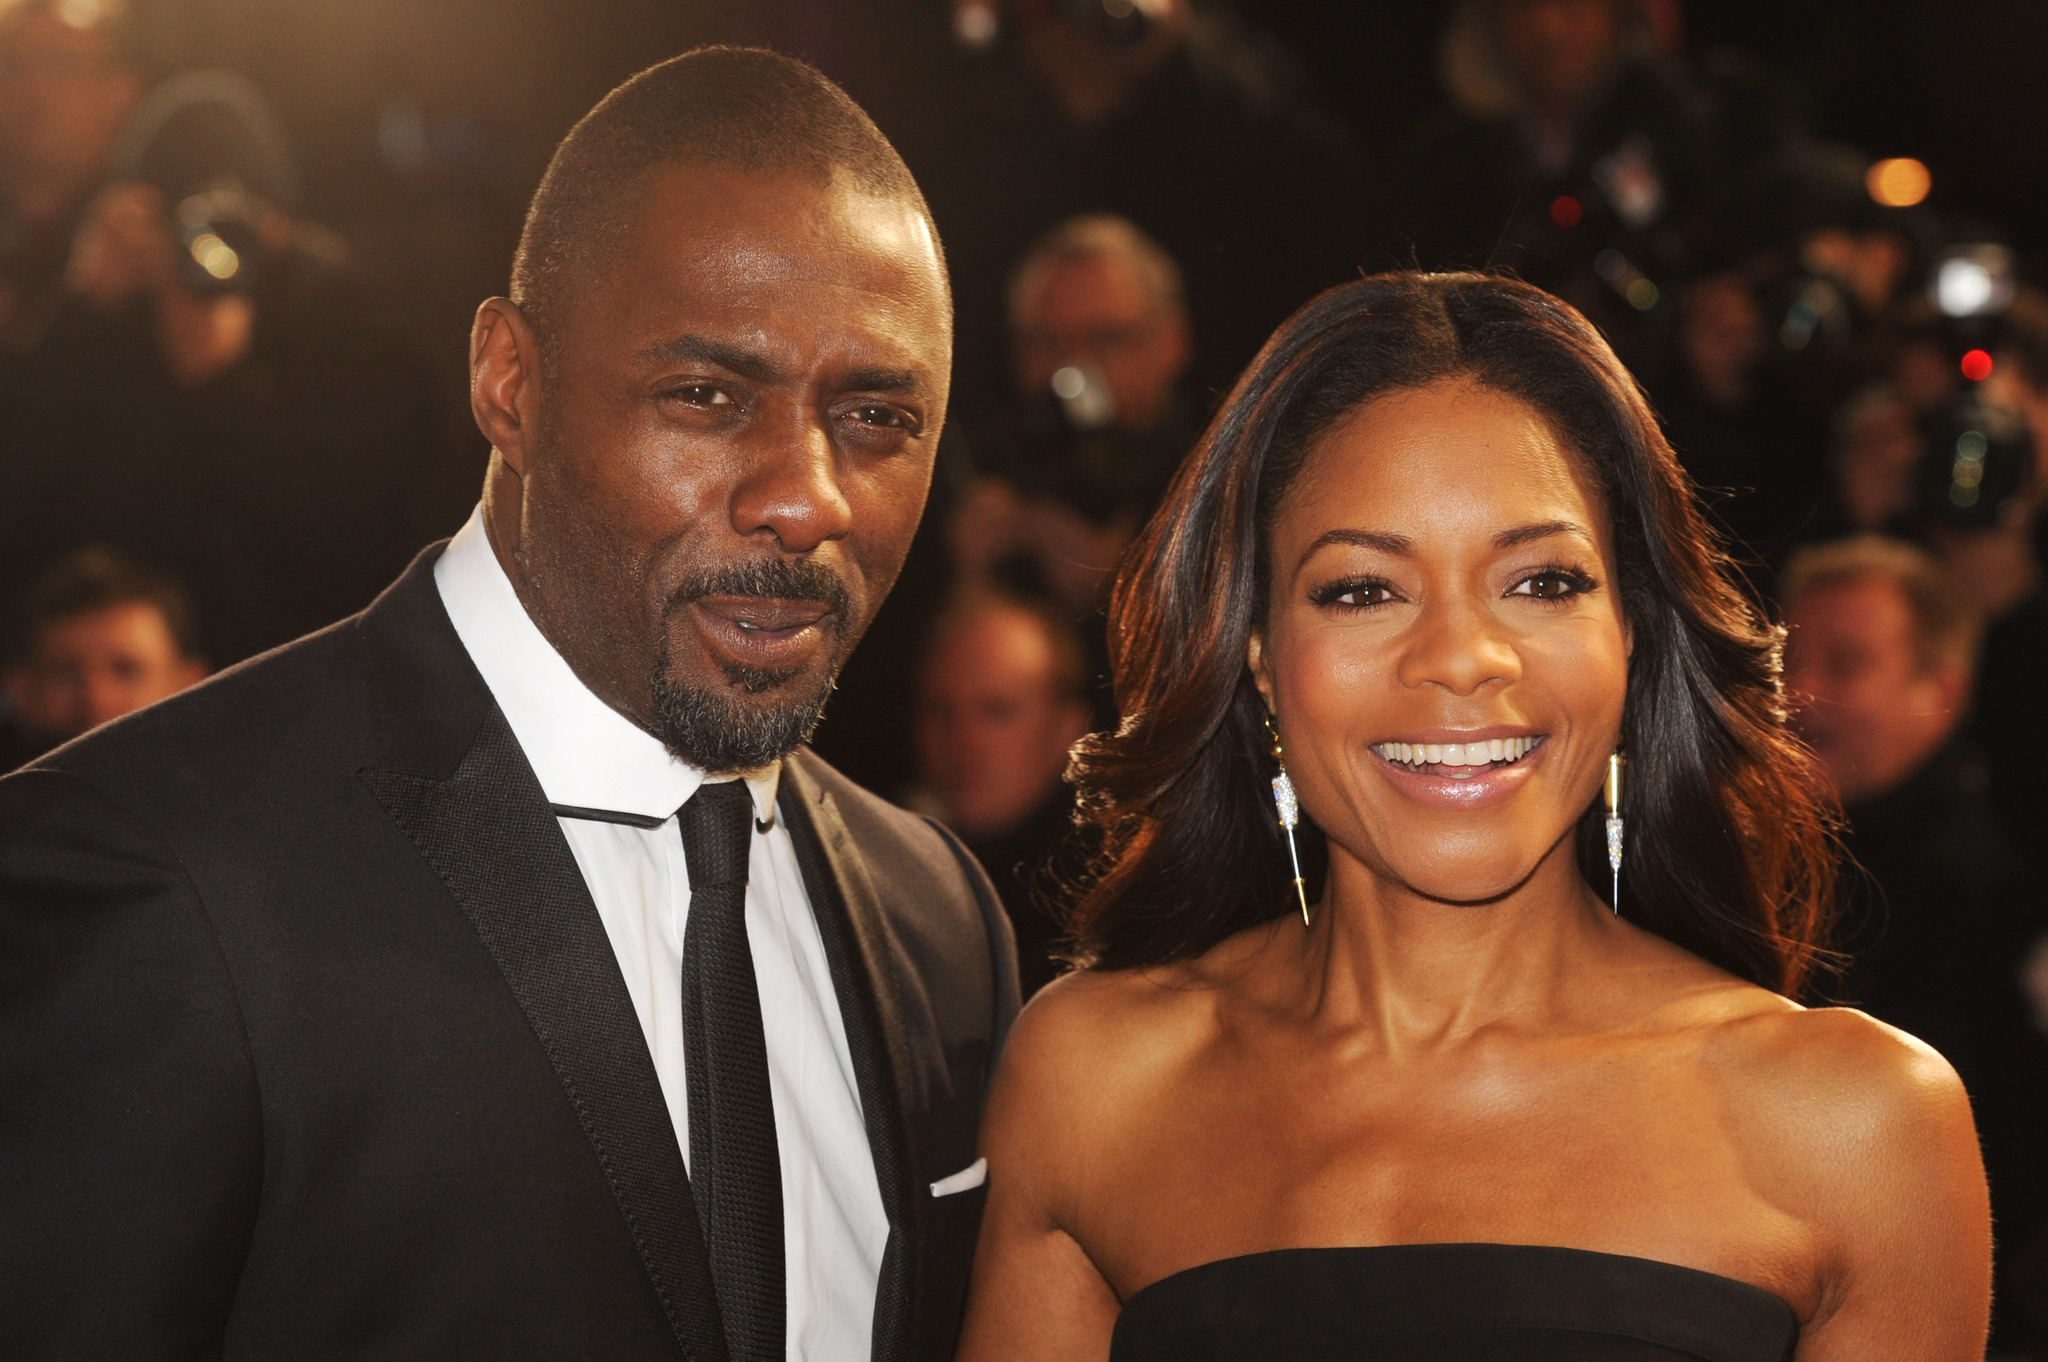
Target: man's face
<point x="88" y="669"/>
<point x="729" y="453"/>
<point x="993" y="728"/>
<point x="1096" y="310"/>
<point x="1863" y="701"/>
<point x="62" y="98"/>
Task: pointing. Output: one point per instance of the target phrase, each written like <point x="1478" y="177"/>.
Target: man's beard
<point x="711" y="728"/>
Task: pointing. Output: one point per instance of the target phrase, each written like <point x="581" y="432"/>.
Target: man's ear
<point x="1255" y="658"/>
<point x="504" y="379"/>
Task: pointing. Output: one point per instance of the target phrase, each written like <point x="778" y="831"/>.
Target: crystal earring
<point x="1290" y="814"/>
<point x="1612" y="790"/>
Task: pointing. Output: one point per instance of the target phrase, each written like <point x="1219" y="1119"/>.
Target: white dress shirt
<point x="588" y="755"/>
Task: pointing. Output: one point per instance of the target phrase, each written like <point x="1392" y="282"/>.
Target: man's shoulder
<point x="300" y="712"/>
<point x="881" y="830"/>
<point x="289" y="700"/>
<point x="930" y="886"/>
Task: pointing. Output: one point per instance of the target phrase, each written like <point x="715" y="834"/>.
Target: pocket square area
<point x="966" y="1180"/>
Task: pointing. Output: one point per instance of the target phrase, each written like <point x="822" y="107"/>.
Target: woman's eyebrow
<point x="1529" y="534"/>
<point x="1399" y="545"/>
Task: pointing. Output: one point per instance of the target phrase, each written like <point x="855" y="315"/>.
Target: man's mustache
<point x="785" y="579"/>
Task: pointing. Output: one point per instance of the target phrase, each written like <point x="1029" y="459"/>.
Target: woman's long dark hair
<point x="1730" y="852"/>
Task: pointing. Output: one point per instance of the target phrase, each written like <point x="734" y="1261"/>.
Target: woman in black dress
<point x="1435" y="562"/>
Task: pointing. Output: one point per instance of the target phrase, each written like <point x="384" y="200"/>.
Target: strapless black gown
<point x="1451" y="1303"/>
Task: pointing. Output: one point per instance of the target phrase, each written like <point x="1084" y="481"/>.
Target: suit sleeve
<point x="130" y="1129"/>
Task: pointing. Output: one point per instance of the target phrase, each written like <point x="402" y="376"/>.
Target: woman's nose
<point x="1461" y="646"/>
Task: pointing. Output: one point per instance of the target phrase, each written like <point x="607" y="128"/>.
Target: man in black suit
<point x="494" y="974"/>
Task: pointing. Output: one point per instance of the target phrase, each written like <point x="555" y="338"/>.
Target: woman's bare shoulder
<point x="1834" y="1055"/>
<point x="1830" y="1105"/>
<point x="1095" y="1030"/>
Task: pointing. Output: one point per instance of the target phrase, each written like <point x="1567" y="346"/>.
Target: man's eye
<point x="874" y="414"/>
<point x="701" y="395"/>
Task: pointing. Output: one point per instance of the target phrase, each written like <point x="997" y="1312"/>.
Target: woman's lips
<point x="762" y="632"/>
<point x="1462" y="786"/>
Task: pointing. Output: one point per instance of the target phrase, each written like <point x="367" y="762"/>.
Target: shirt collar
<point x="586" y="754"/>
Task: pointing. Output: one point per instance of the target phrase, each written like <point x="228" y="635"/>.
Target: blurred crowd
<point x="216" y="434"/>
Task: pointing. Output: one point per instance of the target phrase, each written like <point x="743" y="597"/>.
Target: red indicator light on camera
<point x="1977" y="365"/>
<point x="1565" y="211"/>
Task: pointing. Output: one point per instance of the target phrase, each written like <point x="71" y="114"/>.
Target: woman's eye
<point x="1355" y="595"/>
<point x="1553" y="585"/>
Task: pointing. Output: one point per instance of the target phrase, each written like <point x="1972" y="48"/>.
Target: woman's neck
<point x="1423" y="973"/>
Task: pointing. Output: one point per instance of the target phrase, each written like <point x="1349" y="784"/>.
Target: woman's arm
<point x="1881" y="1129"/>
<point x="1035" y="1294"/>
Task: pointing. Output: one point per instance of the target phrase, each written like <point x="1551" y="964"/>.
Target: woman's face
<point x="1444" y="648"/>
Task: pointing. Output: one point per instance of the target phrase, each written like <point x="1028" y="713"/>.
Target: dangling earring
<point x="1290" y="814"/>
<point x="1613" y="792"/>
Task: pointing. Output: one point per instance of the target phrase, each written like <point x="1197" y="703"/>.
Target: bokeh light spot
<point x="1977" y="365"/>
<point x="1899" y="182"/>
<point x="1566" y="211"/>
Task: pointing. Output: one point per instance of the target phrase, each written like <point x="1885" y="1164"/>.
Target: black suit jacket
<point x="312" y="1043"/>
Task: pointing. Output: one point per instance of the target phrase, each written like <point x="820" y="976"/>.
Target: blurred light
<point x="1899" y="182"/>
<point x="1119" y="9"/>
<point x="1641" y="294"/>
<point x="81" y="13"/>
<point x="1966" y="474"/>
<point x="215" y="256"/>
<point x="1973" y="281"/>
<point x="975" y="23"/>
<point x="402" y="134"/>
<point x="1977" y="367"/>
<point x="1566" y="211"/>
<point x="1084" y="396"/>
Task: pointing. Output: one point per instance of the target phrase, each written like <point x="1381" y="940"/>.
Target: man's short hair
<point x="738" y="107"/>
<point x="1947" y="630"/>
<point x="1093" y="237"/>
<point x="95" y="578"/>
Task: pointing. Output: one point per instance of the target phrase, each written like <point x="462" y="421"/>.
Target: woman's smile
<point x="1466" y="773"/>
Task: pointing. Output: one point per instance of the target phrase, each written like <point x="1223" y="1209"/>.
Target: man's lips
<point x="767" y="632"/>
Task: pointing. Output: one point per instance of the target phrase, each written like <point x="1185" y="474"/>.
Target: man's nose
<point x="792" y="488"/>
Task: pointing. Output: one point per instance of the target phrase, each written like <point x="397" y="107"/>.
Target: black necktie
<point x="735" y="1175"/>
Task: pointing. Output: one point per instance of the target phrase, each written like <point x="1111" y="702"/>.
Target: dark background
<point x="423" y="124"/>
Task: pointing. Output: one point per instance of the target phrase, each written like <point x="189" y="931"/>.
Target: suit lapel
<point x="882" y="1028"/>
<point x="486" y="829"/>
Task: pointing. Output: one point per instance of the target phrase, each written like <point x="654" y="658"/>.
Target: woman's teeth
<point x="1467" y="757"/>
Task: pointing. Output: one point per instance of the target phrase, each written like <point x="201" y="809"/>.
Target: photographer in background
<point x="1174" y="114"/>
<point x="1001" y="699"/>
<point x="98" y="635"/>
<point x="1576" y="151"/>
<point x="69" y="78"/>
<point x="1880" y="657"/>
<point x="217" y="388"/>
<point x="1100" y="345"/>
